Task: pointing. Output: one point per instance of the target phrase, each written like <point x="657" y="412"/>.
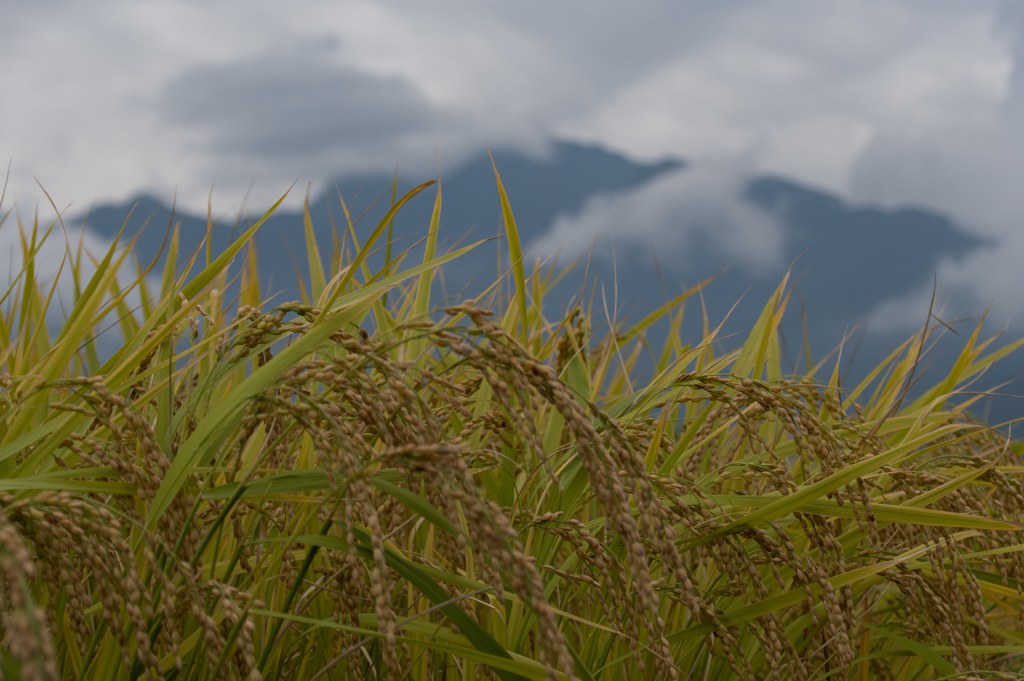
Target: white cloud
<point x="668" y="216"/>
<point x="800" y="85"/>
<point x="969" y="168"/>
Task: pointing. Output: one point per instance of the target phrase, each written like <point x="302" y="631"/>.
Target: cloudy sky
<point x="882" y="101"/>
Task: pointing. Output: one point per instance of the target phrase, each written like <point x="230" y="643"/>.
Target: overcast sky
<point x="889" y="101"/>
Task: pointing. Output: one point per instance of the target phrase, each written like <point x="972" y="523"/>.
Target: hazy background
<point x="879" y="102"/>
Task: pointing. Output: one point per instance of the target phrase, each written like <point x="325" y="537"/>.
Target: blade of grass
<point x="515" y="252"/>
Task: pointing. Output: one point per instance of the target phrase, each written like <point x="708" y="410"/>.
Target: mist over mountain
<point x="652" y="228"/>
<point x="540" y="188"/>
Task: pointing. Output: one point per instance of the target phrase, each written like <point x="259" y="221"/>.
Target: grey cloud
<point x="556" y="61"/>
<point x="1010" y="23"/>
<point x="294" y="104"/>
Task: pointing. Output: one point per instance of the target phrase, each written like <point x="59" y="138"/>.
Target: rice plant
<point x="361" y="485"/>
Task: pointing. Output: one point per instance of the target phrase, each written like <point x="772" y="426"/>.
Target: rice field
<point x="364" y="485"/>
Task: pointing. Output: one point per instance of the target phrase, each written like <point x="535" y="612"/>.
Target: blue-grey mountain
<point x="846" y="259"/>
